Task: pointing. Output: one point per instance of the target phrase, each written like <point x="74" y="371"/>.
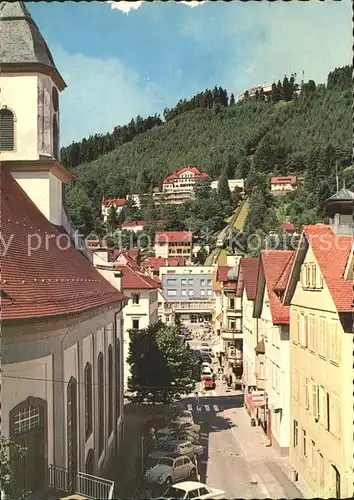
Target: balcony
<point x="231" y="333"/>
<point x="89" y="487"/>
<point x="190" y="305"/>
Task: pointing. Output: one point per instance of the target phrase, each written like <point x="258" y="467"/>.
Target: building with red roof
<point x="320" y="296"/>
<point x="248" y="287"/>
<point x="273" y="346"/>
<point x="178" y="187"/>
<point x="152" y="264"/>
<point x="173" y="244"/>
<point x="61" y="395"/>
<point x="282" y="185"/>
<point x="107" y="203"/>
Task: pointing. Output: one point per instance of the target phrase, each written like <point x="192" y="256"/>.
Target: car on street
<point x="206" y="371"/>
<point x="179" y="436"/>
<point x="208" y="382"/>
<point x="205" y="364"/>
<point x="170" y="470"/>
<point x="205" y="357"/>
<point x="185" y="416"/>
<point x="176" y="426"/>
<point x="178" y="447"/>
<point x="192" y="489"/>
<point x="207" y="350"/>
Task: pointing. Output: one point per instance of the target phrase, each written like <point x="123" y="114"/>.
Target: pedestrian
<point x="196" y="398"/>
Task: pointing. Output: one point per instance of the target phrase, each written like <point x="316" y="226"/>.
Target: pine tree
<point x="112" y="220"/>
<point x="232" y="100"/>
<point x="223" y="187"/>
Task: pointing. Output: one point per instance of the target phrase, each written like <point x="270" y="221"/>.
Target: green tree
<point x="11" y="454"/>
<point x="232" y="100"/>
<point x="223" y="187"/>
<point x="162" y="366"/>
<point x="113" y="219"/>
<point x="202" y="189"/>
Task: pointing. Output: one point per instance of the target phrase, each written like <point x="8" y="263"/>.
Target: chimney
<point x="118" y="280"/>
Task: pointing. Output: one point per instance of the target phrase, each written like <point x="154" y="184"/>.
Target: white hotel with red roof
<point x="62" y="349"/>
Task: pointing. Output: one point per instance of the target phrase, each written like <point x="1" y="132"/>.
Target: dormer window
<point x="7" y="130"/>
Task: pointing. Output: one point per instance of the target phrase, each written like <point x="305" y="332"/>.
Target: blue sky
<point x="118" y="65"/>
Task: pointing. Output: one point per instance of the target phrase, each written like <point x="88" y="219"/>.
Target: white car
<point x="192" y="489"/>
<point x="205" y="364"/>
<point x="206" y="371"/>
<point x="185" y="416"/>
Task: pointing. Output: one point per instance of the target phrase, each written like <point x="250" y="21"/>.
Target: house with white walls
<point x="248" y="276"/>
<point x="61" y="353"/>
<point x="273" y="329"/>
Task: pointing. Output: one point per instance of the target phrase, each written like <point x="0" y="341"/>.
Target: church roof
<point x="342" y="195"/>
<point x="20" y="38"/>
<point x="56" y="278"/>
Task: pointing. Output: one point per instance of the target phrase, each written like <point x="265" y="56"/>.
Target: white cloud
<point x="126" y="7"/>
<point x="101" y="94"/>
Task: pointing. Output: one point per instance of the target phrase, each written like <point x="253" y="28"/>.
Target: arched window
<point x="90" y="462"/>
<point x="55" y="138"/>
<point x="88" y="400"/>
<point x="110" y="390"/>
<point x="7" y="130"/>
<point x="100" y="404"/>
<point x="72" y="435"/>
<point x="55" y="99"/>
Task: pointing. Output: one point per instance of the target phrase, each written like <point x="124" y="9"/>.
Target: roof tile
<point x="42" y="271"/>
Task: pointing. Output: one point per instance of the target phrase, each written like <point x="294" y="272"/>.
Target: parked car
<point x="178" y="447"/>
<point x="170" y="470"/>
<point x="208" y="382"/>
<point x="206" y="371"/>
<point x="178" y="426"/>
<point x="179" y="436"/>
<point x="205" y="357"/>
<point x="192" y="489"/>
<point x="185" y="416"/>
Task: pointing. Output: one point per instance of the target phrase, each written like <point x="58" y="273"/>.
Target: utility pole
<point x="337" y="179"/>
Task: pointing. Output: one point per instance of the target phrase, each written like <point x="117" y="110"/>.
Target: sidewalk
<point x="269" y="467"/>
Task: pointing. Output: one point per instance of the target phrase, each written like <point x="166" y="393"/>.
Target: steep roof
<point x="181" y="171"/>
<point x="20" y="38"/>
<point x="118" y="202"/>
<point x="157" y="262"/>
<point x="38" y="277"/>
<point x="291" y="179"/>
<point x="342" y="195"/>
<point x="249" y="267"/>
<point x="276" y="266"/>
<point x="332" y="252"/>
<point x="133" y="278"/>
<point x="173" y="236"/>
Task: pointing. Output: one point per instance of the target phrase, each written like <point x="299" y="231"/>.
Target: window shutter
<point x="314" y="403"/>
<point x="7" y="141"/>
<point x="307" y="399"/>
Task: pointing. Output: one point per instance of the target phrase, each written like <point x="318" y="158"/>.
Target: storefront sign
<point x="256" y="399"/>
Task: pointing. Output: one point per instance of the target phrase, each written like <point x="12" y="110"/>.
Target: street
<point x="226" y="464"/>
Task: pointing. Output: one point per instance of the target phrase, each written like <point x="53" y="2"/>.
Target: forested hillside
<point x="305" y="133"/>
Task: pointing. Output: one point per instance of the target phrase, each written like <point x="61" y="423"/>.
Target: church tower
<point x="30" y="85"/>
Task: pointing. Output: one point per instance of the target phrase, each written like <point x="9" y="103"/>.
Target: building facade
<point x="107" y="203"/>
<point x="283" y="185"/>
<point x="273" y="329"/>
<point x="233" y="184"/>
<point x="188" y="293"/>
<point x="61" y="394"/>
<point x="249" y="273"/>
<point x="178" y="187"/>
<point x="173" y="244"/>
<point x="320" y="298"/>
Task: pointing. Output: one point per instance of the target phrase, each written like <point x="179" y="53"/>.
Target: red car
<point x="208" y="381"/>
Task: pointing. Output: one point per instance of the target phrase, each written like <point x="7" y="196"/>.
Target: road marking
<point x="207" y="407"/>
<point x="190" y="407"/>
<point x="216" y="408"/>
